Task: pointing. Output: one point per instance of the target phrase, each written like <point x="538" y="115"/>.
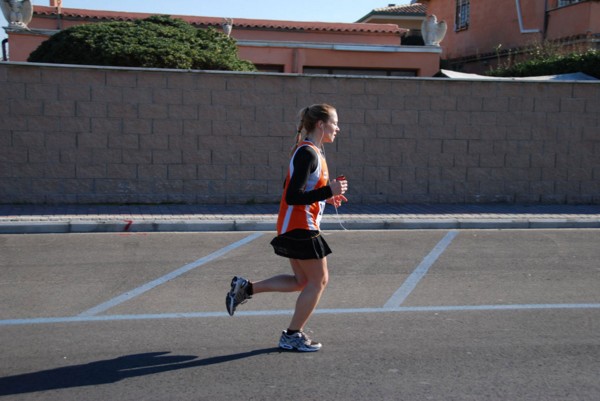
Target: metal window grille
<point x="463" y="13"/>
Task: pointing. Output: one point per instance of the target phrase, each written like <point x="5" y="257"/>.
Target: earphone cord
<point x="337" y="215"/>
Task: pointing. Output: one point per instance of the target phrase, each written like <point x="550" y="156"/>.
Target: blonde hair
<point x="309" y="117"/>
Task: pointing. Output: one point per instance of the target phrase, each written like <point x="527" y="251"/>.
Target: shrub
<point x="155" y="42"/>
<point x="551" y="64"/>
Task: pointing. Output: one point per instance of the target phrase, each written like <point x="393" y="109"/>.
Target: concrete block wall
<point x="109" y="135"/>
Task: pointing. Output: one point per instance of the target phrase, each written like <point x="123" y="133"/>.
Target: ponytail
<point x="296" y="143"/>
<point x="303" y="113"/>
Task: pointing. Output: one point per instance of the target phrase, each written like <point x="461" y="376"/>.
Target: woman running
<point x="307" y="188"/>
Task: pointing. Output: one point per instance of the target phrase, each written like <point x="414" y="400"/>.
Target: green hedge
<point x="588" y="63"/>
<point x="155" y="42"/>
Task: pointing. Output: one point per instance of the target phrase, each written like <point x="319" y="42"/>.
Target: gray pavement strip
<point x="223" y="223"/>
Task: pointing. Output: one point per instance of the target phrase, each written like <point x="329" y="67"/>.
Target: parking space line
<point x="267" y="313"/>
<point x="167" y="277"/>
<point x="411" y="281"/>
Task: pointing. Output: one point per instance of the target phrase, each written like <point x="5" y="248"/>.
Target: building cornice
<point x="342" y="47"/>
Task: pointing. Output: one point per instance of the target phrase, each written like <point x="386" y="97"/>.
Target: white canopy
<point x="576" y="76"/>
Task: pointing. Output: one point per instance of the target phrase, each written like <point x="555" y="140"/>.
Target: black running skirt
<point x="301" y="244"/>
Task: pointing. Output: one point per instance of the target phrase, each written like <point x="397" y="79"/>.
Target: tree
<point x="154" y="42"/>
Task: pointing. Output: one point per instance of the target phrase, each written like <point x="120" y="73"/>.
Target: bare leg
<point x="316" y="278"/>
<point x="310" y="277"/>
<point x="281" y="283"/>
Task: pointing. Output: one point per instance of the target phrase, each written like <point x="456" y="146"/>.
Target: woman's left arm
<point x="305" y="161"/>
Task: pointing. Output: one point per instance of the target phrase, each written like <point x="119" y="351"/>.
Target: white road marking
<point x="200" y="315"/>
<point x="411" y="282"/>
<point x="167" y="277"/>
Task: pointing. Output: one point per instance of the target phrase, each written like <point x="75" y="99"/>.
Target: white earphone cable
<point x="337" y="214"/>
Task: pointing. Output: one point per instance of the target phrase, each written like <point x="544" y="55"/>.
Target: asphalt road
<point x="408" y="315"/>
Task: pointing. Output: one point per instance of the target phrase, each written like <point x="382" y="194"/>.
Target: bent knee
<point x="300" y="284"/>
<point x="320" y="283"/>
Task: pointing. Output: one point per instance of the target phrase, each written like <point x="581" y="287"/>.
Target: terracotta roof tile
<point x="402" y="9"/>
<point x="100" y="15"/>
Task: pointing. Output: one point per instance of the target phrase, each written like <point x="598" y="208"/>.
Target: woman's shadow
<point x="112" y="370"/>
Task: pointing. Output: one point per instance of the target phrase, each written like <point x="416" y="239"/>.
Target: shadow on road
<point x="112" y="370"/>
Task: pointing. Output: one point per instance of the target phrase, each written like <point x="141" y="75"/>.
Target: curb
<point x="166" y="225"/>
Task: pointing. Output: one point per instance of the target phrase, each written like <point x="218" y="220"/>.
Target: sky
<point x="290" y="10"/>
<point x="294" y="10"/>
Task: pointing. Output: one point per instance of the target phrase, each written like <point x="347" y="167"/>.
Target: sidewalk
<point x="16" y="219"/>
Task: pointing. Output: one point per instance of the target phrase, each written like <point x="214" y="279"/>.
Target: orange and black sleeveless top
<point x="304" y="216"/>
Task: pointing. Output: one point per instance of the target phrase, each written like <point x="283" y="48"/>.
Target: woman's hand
<point x="339" y="186"/>
<point x="336" y="200"/>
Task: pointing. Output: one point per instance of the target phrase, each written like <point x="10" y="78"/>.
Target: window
<point x="269" y="67"/>
<point x="462" y="15"/>
<point x="562" y="3"/>
<point x="357" y="71"/>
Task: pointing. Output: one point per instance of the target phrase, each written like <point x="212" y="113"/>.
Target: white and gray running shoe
<point x="298" y="341"/>
<point x="237" y="295"/>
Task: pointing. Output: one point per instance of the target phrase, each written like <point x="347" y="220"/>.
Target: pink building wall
<point x="288" y="46"/>
<point x="492" y="23"/>
<point x="494" y="28"/>
<point x="583" y="18"/>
